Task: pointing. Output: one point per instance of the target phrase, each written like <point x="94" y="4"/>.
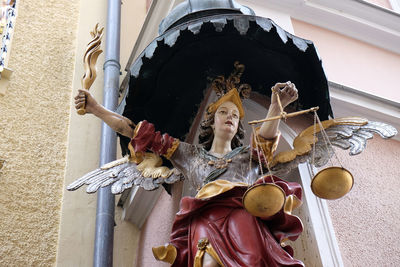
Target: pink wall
<point x="354" y="63"/>
<point x="382" y="3"/>
<point x="366" y="221"/>
<point x="148" y="3"/>
<point x="157" y="227"/>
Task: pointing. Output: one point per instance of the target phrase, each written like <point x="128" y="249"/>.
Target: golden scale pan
<point x="266" y="199"/>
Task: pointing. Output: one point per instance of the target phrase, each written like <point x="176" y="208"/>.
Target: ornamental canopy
<point x="199" y="42"/>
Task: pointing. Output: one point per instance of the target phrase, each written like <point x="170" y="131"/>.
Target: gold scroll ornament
<point x="89" y="61"/>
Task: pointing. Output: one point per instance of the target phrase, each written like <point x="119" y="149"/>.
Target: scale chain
<point x="327" y="141"/>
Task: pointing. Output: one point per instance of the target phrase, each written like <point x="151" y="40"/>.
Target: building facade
<point x="45" y="145"/>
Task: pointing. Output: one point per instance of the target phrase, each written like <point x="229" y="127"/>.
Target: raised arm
<point x="116" y="121"/>
<point x="287" y="94"/>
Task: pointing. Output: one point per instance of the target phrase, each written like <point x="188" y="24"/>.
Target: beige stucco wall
<point x="354" y="63"/>
<point x="44" y="141"/>
<point x="34" y="115"/>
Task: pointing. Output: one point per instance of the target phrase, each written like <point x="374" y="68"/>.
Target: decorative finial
<point x="221" y="86"/>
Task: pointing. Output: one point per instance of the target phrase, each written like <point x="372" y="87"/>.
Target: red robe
<point x="239" y="238"/>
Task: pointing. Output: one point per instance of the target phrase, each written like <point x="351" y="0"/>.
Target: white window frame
<point x="395" y="5"/>
<point x="6" y="38"/>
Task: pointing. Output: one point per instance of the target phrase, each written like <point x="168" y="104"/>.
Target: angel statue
<point x="212" y="228"/>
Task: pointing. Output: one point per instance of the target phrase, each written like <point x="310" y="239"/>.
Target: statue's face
<point x="226" y="120"/>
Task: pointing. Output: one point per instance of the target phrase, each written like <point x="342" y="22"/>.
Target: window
<point x="395" y="5"/>
<point x="7" y="21"/>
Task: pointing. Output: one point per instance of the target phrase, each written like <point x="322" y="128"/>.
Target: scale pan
<point x="332" y="183"/>
<point x="264" y="200"/>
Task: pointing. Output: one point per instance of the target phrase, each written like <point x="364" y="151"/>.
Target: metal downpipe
<point x="104" y="232"/>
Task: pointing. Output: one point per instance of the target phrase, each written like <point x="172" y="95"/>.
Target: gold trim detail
<point x="233" y="96"/>
<point x="165" y="253"/>
<point x="204" y="246"/>
<point x="89" y="61"/>
<point x="230" y="89"/>
<point x="303" y="142"/>
<point x="115" y="163"/>
<point x="172" y="149"/>
<point x="217" y="187"/>
<point x="135" y="157"/>
<point x="151" y="167"/>
<point x="263" y="200"/>
<point x="332" y="183"/>
<point x="291" y="203"/>
<point x="268" y="146"/>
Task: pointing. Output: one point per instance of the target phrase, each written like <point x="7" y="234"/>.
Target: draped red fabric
<point x="239" y="238"/>
<point x="146" y="138"/>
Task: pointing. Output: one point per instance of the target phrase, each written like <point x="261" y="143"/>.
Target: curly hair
<point x="206" y="135"/>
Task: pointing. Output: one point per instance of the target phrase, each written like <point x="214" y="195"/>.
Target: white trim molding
<point x="139" y="204"/>
<point x="354" y="18"/>
<point x="347" y="101"/>
<point x="317" y="216"/>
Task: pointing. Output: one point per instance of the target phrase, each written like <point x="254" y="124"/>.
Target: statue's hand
<point x="84" y="99"/>
<point x="287" y="93"/>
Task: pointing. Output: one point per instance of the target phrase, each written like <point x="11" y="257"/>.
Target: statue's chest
<point x="234" y="168"/>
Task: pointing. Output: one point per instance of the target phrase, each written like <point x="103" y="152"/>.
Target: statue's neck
<point x="220" y="147"/>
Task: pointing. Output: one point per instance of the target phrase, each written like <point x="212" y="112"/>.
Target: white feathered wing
<point x="123" y="174"/>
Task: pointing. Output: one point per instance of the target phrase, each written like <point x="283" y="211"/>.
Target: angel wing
<point x="346" y="133"/>
<point x="123" y="174"/>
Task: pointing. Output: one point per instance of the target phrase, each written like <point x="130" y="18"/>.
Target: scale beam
<point x="283" y="114"/>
